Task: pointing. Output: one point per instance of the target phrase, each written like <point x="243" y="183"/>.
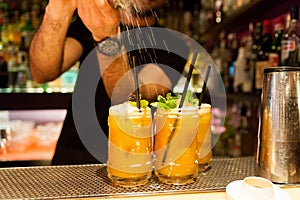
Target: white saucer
<point x="234" y="191"/>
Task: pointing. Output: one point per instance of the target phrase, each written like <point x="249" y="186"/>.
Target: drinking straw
<point x="188" y="78"/>
<point x="189" y="75"/>
<point x="136" y="83"/>
<point x="204" y="84"/>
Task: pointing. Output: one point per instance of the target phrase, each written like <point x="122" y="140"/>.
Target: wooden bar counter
<point x="91" y="182"/>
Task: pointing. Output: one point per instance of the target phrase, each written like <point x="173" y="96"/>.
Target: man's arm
<point x="51" y="53"/>
<point x="103" y="21"/>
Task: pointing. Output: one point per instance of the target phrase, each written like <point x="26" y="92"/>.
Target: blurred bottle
<point x="35" y="14"/>
<point x="250" y="60"/>
<point x="228" y="6"/>
<point x="275" y="53"/>
<point x="23" y="49"/>
<point x="3" y="12"/>
<point x="23" y="76"/>
<point x="257" y="45"/>
<point x="266" y="39"/>
<point x="5" y="32"/>
<point x="187" y="18"/>
<point x="262" y="47"/>
<point x="174" y="18"/>
<point x="221" y="57"/>
<point x="196" y="23"/>
<point x="15" y="34"/>
<point x="24" y="7"/>
<point x="4" y="131"/>
<point x="242" y="130"/>
<point x="290" y="41"/>
<point x="3" y="72"/>
<point x="26" y="27"/>
<point x="240" y="66"/>
<point x="232" y="45"/>
<point x="12" y="66"/>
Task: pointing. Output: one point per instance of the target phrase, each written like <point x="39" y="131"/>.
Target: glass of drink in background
<point x="204" y="138"/>
<point x="176" y="145"/>
<point x="130" y="145"/>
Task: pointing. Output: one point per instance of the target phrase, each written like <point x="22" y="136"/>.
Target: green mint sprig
<point x="190" y="99"/>
<point x="168" y="102"/>
<point x="171" y="102"/>
<point x="132" y="100"/>
<point x="143" y="103"/>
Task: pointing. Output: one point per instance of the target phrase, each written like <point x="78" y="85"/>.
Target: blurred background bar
<point x="242" y="37"/>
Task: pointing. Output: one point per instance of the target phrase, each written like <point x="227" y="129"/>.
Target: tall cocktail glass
<point x="130" y="145"/>
<point x="176" y="145"/>
<point x="204" y="138"/>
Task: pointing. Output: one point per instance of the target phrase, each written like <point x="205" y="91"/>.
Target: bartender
<point x="70" y="30"/>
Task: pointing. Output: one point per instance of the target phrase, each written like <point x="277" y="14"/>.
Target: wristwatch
<point x="108" y="46"/>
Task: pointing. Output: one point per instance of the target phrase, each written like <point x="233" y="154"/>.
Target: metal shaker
<point x="278" y="155"/>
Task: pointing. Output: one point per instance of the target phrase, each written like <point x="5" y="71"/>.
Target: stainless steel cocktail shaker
<point x="278" y="155"/>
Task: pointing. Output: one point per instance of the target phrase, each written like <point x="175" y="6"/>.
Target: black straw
<point x="204" y="84"/>
<point x="187" y="82"/>
<point x="189" y="75"/>
<point x="136" y="83"/>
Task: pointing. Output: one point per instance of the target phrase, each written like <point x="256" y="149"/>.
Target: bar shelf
<point x="34" y="101"/>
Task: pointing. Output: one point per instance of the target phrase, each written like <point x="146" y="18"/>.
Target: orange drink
<point x="129" y="161"/>
<point x="204" y="138"/>
<point x="176" y="145"/>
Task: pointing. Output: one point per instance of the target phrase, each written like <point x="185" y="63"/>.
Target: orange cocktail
<point x="204" y="138"/>
<point x="176" y="145"/>
<point x="130" y="145"/>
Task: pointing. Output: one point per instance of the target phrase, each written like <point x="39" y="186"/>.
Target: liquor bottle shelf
<point x="256" y="10"/>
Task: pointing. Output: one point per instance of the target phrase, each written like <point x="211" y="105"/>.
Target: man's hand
<point x="99" y="17"/>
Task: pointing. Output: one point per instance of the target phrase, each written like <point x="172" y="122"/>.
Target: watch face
<point x="109" y="46"/>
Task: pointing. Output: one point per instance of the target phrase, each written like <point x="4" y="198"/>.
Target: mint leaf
<point x="195" y="102"/>
<point x="143" y="103"/>
<point x="189" y="99"/>
<point x="161" y="99"/>
<point x="168" y="102"/>
<point x="171" y="102"/>
<point x="168" y="96"/>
